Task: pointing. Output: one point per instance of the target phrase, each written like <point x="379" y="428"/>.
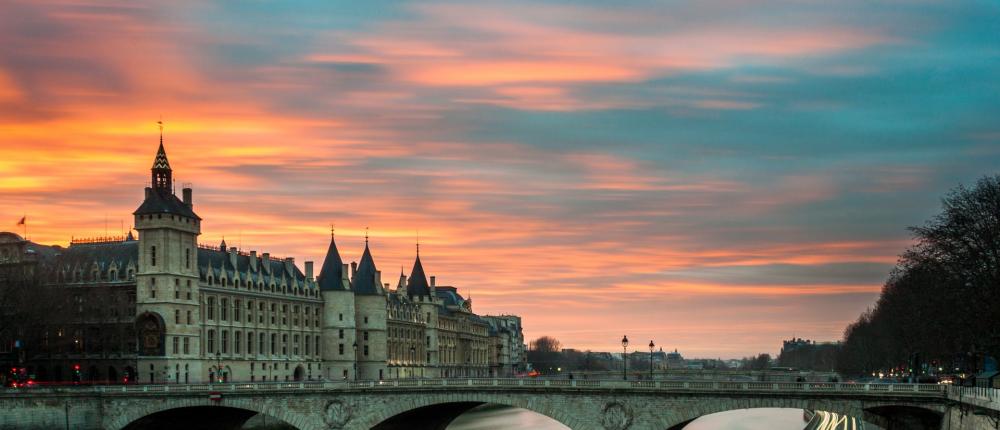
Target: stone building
<point x="162" y="308"/>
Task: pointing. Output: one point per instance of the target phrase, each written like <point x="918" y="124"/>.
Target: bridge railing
<point x="982" y="396"/>
<point x="528" y="383"/>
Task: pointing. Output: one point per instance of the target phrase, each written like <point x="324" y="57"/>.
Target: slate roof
<point x="164" y="202"/>
<point x="217" y="263"/>
<point x="160" y="162"/>
<point x="363" y="281"/>
<point x="416" y="285"/>
<point x="449" y="296"/>
<point x="104" y="254"/>
<point x="331" y="276"/>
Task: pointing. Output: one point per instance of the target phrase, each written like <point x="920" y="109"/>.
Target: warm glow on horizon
<point x="709" y="178"/>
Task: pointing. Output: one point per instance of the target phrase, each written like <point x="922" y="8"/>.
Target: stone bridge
<point x="433" y="403"/>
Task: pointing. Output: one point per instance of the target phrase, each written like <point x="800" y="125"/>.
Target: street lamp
<point x="624" y="358"/>
<point x="651" y="346"/>
<point x="218" y="366"/>
<point x="355" y="361"/>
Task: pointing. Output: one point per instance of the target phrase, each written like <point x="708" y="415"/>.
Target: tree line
<point x="940" y="306"/>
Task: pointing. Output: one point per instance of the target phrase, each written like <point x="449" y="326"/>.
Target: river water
<point x="491" y="417"/>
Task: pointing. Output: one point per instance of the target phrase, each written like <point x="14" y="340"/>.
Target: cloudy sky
<point x="712" y="175"/>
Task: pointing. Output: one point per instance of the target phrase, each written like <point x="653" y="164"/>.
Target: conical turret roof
<point x="417" y="284"/>
<point x="363" y="281"/>
<point x="332" y="274"/>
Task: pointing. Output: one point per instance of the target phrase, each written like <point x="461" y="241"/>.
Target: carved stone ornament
<point x="616" y="416"/>
<point x="337" y="414"/>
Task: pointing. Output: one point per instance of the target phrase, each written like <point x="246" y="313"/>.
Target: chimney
<point x="290" y="264"/>
<point x="309" y="270"/>
<point x="378" y="277"/>
<point x="232" y="255"/>
<point x="432" y="281"/>
<point x="253" y="260"/>
<point x="343" y="271"/>
<point x="187" y="196"/>
<point x="265" y="258"/>
<point x="149" y="191"/>
<point x="354" y="269"/>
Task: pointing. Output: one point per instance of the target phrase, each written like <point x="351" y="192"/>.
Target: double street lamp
<point x="625" y="358"/>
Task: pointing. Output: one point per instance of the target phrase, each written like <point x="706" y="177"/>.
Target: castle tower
<point x="167" y="322"/>
<point x="339" y="335"/>
<point x="423" y="294"/>
<point x="370" y="318"/>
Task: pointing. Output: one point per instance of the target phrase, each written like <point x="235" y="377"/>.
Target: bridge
<point x="433" y="403"/>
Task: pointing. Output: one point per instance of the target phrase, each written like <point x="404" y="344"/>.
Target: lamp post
<point x="651" y="346"/>
<point x="355" y="361"/>
<point x="625" y="358"/>
<point x="218" y="366"/>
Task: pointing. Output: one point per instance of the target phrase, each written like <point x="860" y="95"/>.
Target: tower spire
<point x="161" y="172"/>
<point x="366" y="237"/>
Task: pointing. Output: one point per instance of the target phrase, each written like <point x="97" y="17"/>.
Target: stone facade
<point x="162" y="308"/>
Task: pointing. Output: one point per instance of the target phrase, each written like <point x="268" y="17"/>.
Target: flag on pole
<point x="23" y="220"/>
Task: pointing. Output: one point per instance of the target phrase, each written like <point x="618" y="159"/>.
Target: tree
<point x="545" y="354"/>
<point x="942" y="301"/>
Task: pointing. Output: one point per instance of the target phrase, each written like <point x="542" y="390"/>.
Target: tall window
<point x="210" y="306"/>
<point x="262" y="344"/>
<point x="250" y="342"/>
<point x="177" y="316"/>
<point x="189" y="317"/>
<point x="187" y="258"/>
<point x="274" y="341"/>
<point x="187" y="346"/>
<point x="237" y="336"/>
<point x="223" y="309"/>
<point x="211" y="342"/>
<point x="284" y="344"/>
<point x="225" y="341"/>
<point x="152" y="255"/>
<point x="175" y="342"/>
<point x="236" y="310"/>
<point x="317" y="350"/>
<point x="295" y="345"/>
<point x="340" y="349"/>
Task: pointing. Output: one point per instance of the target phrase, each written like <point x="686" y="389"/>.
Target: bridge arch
<point x="135" y="413"/>
<point x="538" y="404"/>
<point x="877" y="413"/>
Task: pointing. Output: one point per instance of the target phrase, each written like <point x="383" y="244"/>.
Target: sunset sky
<point x="712" y="175"/>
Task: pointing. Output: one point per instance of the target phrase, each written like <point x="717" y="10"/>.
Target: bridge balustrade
<point x="989" y="395"/>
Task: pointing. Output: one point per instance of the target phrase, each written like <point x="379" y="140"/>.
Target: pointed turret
<point x="364" y="281"/>
<point x="160" y="198"/>
<point x="222" y="246"/>
<point x="332" y="274"/>
<point x="417" y="284"/>
<point x="161" y="170"/>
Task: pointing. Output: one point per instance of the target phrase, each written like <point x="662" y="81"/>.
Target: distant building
<point x="163" y="308"/>
<point x="807" y="354"/>
<point x="675" y="360"/>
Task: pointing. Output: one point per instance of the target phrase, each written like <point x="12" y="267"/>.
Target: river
<point x="492" y="417"/>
